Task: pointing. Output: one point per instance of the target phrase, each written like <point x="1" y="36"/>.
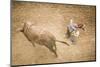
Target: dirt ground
<point x="54" y="18"/>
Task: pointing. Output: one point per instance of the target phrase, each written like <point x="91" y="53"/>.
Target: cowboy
<point x="72" y="30"/>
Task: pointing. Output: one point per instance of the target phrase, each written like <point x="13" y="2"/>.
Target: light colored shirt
<point x="72" y="27"/>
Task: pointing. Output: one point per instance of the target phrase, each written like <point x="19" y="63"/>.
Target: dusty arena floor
<point x="54" y="18"/>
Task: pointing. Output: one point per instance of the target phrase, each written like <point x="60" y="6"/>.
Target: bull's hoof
<point x="56" y="55"/>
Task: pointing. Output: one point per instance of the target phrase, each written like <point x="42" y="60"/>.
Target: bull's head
<point x="21" y="28"/>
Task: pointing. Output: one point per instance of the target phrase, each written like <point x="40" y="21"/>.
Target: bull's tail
<point x="63" y="42"/>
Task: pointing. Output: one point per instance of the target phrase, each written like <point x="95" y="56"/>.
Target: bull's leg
<point x="52" y="48"/>
<point x="55" y="49"/>
<point x="33" y="43"/>
<point x="55" y="53"/>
